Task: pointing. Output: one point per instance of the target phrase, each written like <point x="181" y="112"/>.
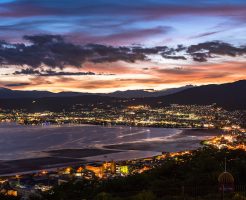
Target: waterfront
<point x="58" y="146"/>
<point x="18" y="142"/>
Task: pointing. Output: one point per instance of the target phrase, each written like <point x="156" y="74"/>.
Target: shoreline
<point x="100" y="125"/>
<point x="54" y="167"/>
<point x="60" y="158"/>
<point x="56" y="159"/>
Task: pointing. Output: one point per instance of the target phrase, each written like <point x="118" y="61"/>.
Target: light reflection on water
<point x="18" y="142"/>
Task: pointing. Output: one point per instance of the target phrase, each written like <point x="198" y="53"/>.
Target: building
<point x="109" y="167"/>
<point x="7" y="190"/>
<point x="124" y="170"/>
<point x="98" y="170"/>
<point x="226" y="181"/>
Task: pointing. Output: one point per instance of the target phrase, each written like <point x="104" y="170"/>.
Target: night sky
<point x="108" y="45"/>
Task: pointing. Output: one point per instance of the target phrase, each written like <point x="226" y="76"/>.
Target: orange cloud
<point x="138" y="76"/>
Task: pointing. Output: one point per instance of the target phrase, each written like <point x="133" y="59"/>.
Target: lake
<point x="21" y="142"/>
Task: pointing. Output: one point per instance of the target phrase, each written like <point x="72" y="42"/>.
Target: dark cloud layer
<point x="201" y="52"/>
<point x="30" y="71"/>
<point x="54" y="51"/>
<point x="48" y="50"/>
<point x="175" y="57"/>
<point x="16" y="84"/>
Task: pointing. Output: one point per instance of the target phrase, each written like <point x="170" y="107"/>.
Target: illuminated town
<point x="207" y="117"/>
<point x="122" y="100"/>
<point x="42" y="181"/>
<point x="174" y="116"/>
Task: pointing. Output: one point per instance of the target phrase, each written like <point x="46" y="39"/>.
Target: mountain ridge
<point x="6" y="93"/>
<point x="230" y="96"/>
<point x="227" y="95"/>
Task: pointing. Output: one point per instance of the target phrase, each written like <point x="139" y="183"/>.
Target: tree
<point x="145" y="195"/>
<point x="239" y="197"/>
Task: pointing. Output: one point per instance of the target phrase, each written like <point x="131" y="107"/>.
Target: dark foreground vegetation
<point x="193" y="176"/>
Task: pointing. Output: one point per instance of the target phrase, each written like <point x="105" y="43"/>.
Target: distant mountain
<point x="229" y="96"/>
<point x="16" y="94"/>
<point x="147" y="93"/>
<point x="58" y="104"/>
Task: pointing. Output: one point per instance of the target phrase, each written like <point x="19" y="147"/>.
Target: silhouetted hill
<point x="146" y="93"/>
<point x="229" y="96"/>
<point x="57" y="103"/>
<point x="16" y="94"/>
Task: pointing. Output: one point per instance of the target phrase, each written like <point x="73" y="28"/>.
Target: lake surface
<point x="18" y="142"/>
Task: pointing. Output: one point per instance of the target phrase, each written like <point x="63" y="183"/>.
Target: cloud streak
<point x="108" y="44"/>
<point x="30" y="71"/>
<point x="53" y="51"/>
<point x="108" y="21"/>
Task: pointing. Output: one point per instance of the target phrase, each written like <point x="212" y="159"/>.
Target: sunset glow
<point x="106" y="45"/>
